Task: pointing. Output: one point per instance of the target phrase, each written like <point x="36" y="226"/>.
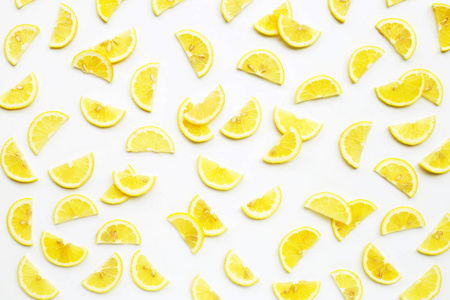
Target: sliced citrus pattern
<point x="160" y="6"/>
<point x="442" y="14"/>
<point x="119" y="47"/>
<point x="198" y="50"/>
<point x="205" y="217"/>
<point x="415" y="132"/>
<point x="205" y="111"/>
<point x="264" y="64"/>
<point x="73" y="207"/>
<point x="14" y="163"/>
<point x="426" y="287"/>
<point x="100" y="114"/>
<point x="150" y="138"/>
<point x="301" y="290"/>
<point x="268" y="24"/>
<point x="362" y="59"/>
<point x="286" y="149"/>
<point x="432" y="88"/>
<point x="133" y="184"/>
<point x="65" y="28"/>
<point x="403" y="92"/>
<point x="295" y="34"/>
<point x="438" y="241"/>
<point x="106" y="276"/>
<point x="349" y="284"/>
<point x="33" y="282"/>
<point x="143" y="85"/>
<point x="195" y="133"/>
<point x="245" y="122"/>
<point x="43" y="127"/>
<point x="330" y="205"/>
<point x="105" y="8"/>
<point x="378" y="268"/>
<point x="113" y="195"/>
<point x="18" y="40"/>
<point x="18" y="221"/>
<point x="352" y="140"/>
<point x="401" y="218"/>
<point x="400" y="34"/>
<point x="399" y="173"/>
<point x="339" y="8"/>
<point x="145" y="275"/>
<point x="21" y="95"/>
<point x="216" y="176"/>
<point x="60" y="252"/>
<point x="264" y="207"/>
<point x="118" y="232"/>
<point x="73" y="174"/>
<point x="237" y="271"/>
<point x="189" y="229"/>
<point x="201" y="290"/>
<point x="438" y="161"/>
<point x="231" y="8"/>
<point x="317" y="87"/>
<point x="95" y="63"/>
<point x="284" y="119"/>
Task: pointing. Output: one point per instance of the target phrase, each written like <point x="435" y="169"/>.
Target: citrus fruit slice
<point x="205" y="217"/>
<point x="65" y="28"/>
<point x="60" y="252"/>
<point x="237" y="271"/>
<point x="317" y="87"/>
<point x="22" y="95"/>
<point x="73" y="174"/>
<point x="268" y="24"/>
<point x="286" y="149"/>
<point x="339" y="8"/>
<point x="295" y="34"/>
<point x="216" y="176"/>
<point x="198" y="50"/>
<point x="205" y="111"/>
<point x="14" y="163"/>
<point x="118" y="232"/>
<point x="432" y="88"/>
<point x="106" y="276"/>
<point x="264" y="207"/>
<point x="43" y="127"/>
<point x="100" y="114"/>
<point x="352" y="140"/>
<point x="195" y="133"/>
<point x="73" y="207"/>
<point x="378" y="268"/>
<point x="33" y="282"/>
<point x="231" y="8"/>
<point x="349" y="284"/>
<point x="189" y="229"/>
<point x="133" y="184"/>
<point x="119" y="47"/>
<point x="150" y="138"/>
<point x="95" y="63"/>
<point x="403" y="92"/>
<point x="442" y="14"/>
<point x="113" y="195"/>
<point x="160" y="6"/>
<point x="284" y="119"/>
<point x="438" y="161"/>
<point x="400" y="34"/>
<point x="415" y="132"/>
<point x="143" y="85"/>
<point x="362" y="59"/>
<point x="389" y="3"/>
<point x="264" y="64"/>
<point x="18" y="221"/>
<point x="105" y="8"/>
<point x="399" y="173"/>
<point x="331" y="206"/>
<point x="438" y="241"/>
<point x="21" y="3"/>
<point x="401" y="218"/>
<point x="245" y="122"/>
<point x="18" y="40"/>
<point x="145" y="275"/>
<point x="301" y="290"/>
<point x="201" y="290"/>
<point x="426" y="287"/>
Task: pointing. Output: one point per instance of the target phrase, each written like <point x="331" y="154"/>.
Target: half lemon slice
<point x="264" y="64"/>
<point x="33" y="282"/>
<point x="106" y="276"/>
<point x="216" y="176"/>
<point x="198" y="50"/>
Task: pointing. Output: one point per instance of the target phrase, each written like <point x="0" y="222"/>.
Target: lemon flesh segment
<point x="264" y="64"/>
<point x="295" y="34"/>
<point x="401" y="218"/>
<point x="438" y="161"/>
<point x="442" y="14"/>
<point x="60" y="252"/>
<point x="237" y="271"/>
<point x="118" y="232"/>
<point x="264" y="207"/>
<point x="100" y="114"/>
<point x="19" y="221"/>
<point x="414" y="133"/>
<point x="145" y="275"/>
<point x="198" y="49"/>
<point x="65" y="28"/>
<point x="400" y="34"/>
<point x="106" y="276"/>
<point x="390" y="3"/>
<point x="352" y="140"/>
<point x="403" y="92"/>
<point x="301" y="290"/>
<point x="331" y="206"/>
<point x="317" y="87"/>
<point x="73" y="174"/>
<point x="150" y="138"/>
<point x="339" y="8"/>
<point x="438" y="241"/>
<point x="195" y="133"/>
<point x="18" y="40"/>
<point x="113" y="195"/>
<point x="286" y="149"/>
<point x="245" y="123"/>
<point x="205" y="217"/>
<point x="399" y="173"/>
<point x="73" y="207"/>
<point x="426" y="287"/>
<point x="360" y="209"/>
<point x="378" y="268"/>
<point x="160" y="6"/>
<point x="105" y="8"/>
<point x="362" y="59"/>
<point x="143" y="85"/>
<point x="14" y="163"/>
<point x="295" y="245"/>
<point x="201" y="290"/>
<point x="119" y="47"/>
<point x="95" y="63"/>
<point x="189" y="229"/>
<point x="21" y="3"/>
<point x="216" y="176"/>
<point x="231" y="8"/>
<point x="33" y="282"/>
<point x="349" y="284"/>
<point x="43" y="127"/>
<point x="22" y="95"/>
<point x="133" y="184"/>
<point x="268" y="24"/>
<point x="284" y="120"/>
<point x="205" y="111"/>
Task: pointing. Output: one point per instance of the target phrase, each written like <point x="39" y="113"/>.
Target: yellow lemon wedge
<point x="145" y="275"/>
<point x="415" y="132"/>
<point x="331" y="206"/>
<point x="150" y="138"/>
<point x="438" y="161"/>
<point x="65" y="28"/>
<point x="401" y="218"/>
<point x="14" y="163"/>
<point x="339" y="8"/>
<point x="198" y="49"/>
<point x="317" y="87"/>
<point x="268" y="24"/>
<point x="195" y="133"/>
<point x="207" y="110"/>
<point x="300" y="290"/>
<point x="105" y="8"/>
<point x="349" y="284"/>
<point x="33" y="282"/>
<point x="61" y="252"/>
<point x="95" y="63"/>
<point x="362" y="59"/>
<point x="231" y="8"/>
<point x="113" y="195"/>
<point x="189" y="229"/>
<point x="100" y="114"/>
<point x="119" y="47"/>
<point x="438" y="241"/>
<point x="18" y="221"/>
<point x="143" y="85"/>
<point x="442" y="14"/>
<point x="264" y="64"/>
<point x="399" y="173"/>
<point x="21" y="95"/>
<point x="73" y="207"/>
<point x="284" y="120"/>
<point x="43" y="127"/>
<point x="201" y="290"/>
<point x="118" y="232"/>
<point x="245" y="122"/>
<point x="390" y="3"/>
<point x="237" y="271"/>
<point x="160" y="6"/>
<point x="400" y="34"/>
<point x="295" y="34"/>
<point x="216" y="176"/>
<point x="205" y="217"/>
<point x="432" y="88"/>
<point x="286" y="149"/>
<point x="264" y="207"/>
<point x="352" y="140"/>
<point x="18" y="40"/>
<point x="21" y="3"/>
<point x="426" y="287"/>
<point x="133" y="184"/>
<point x="106" y="276"/>
<point x="403" y="92"/>
<point x="74" y="173"/>
<point x="378" y="268"/>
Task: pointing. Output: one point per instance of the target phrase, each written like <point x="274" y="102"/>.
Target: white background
<point x="318" y="167"/>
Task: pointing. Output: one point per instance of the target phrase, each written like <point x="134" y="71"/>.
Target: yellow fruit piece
<point x="237" y="271"/>
<point x="362" y="59"/>
<point x="145" y="275"/>
<point x="113" y="195"/>
<point x="389" y="3"/>
<point x="284" y="120"/>
<point x="231" y="8"/>
<point x="14" y="163"/>
<point x="349" y="284"/>
<point x="73" y="207"/>
<point x="339" y="8"/>
<point x="33" y="282"/>
<point x="426" y="287"/>
<point x="73" y="174"/>
<point x="201" y="290"/>
<point x="106" y="276"/>
<point x="205" y="111"/>
<point x="264" y="207"/>
<point x="205" y="217"/>
<point x="414" y="133"/>
<point x="400" y="34"/>
<point x="150" y="138"/>
<point x="264" y="64"/>
<point x="360" y="209"/>
<point x="198" y="50"/>
<point x="119" y="47"/>
<point x="286" y="149"/>
<point x="95" y="63"/>
<point x="160" y="6"/>
<point x="189" y="229"/>
<point x="65" y="28"/>
<point x="118" y="232"/>
<point x="43" y="127"/>
<point x="22" y="95"/>
<point x="245" y="122"/>
<point x="352" y="140"/>
<point x="438" y="161"/>
<point x="20" y="3"/>
<point x="268" y="24"/>
<point x="133" y="184"/>
<point x="60" y="252"/>
<point x="331" y="206"/>
<point x="438" y="241"/>
<point x="403" y="92"/>
<point x="295" y="34"/>
<point x="195" y="133"/>
<point x="100" y="114"/>
<point x="300" y="290"/>
<point x="432" y="88"/>
<point x="105" y="8"/>
<point x="143" y="85"/>
<point x="216" y="176"/>
<point x="18" y="40"/>
<point x="378" y="268"/>
<point x="399" y="173"/>
<point x="401" y="218"/>
<point x="442" y="14"/>
<point x="18" y="221"/>
<point x="295" y="245"/>
<point x="317" y="87"/>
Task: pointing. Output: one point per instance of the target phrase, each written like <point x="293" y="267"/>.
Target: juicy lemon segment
<point x="339" y="8"/>
<point x="20" y="3"/>
<point x="264" y="64"/>
<point x="317" y="87"/>
<point x="330" y="205"/>
<point x="438" y="241"/>
<point x="75" y="173"/>
<point x="201" y="290"/>
<point x="14" y="163"/>
<point x="244" y="123"/>
<point x="205" y="111"/>
<point x="60" y="252"/>
<point x="195" y="133"/>
<point x="414" y="133"/>
<point x="360" y="209"/>
<point x="349" y="284"/>
<point x="237" y="271"/>
<point x="145" y="275"/>
<point x="33" y="282"/>
<point x="295" y="34"/>
<point x="198" y="50"/>
<point x="18" y="221"/>
<point x="118" y="232"/>
<point x="362" y="59"/>
<point x="378" y="268"/>
<point x="216" y="176"/>
<point x="113" y="195"/>
<point x="389" y="3"/>
<point x="401" y="218"/>
<point x="189" y="229"/>
<point x="105" y="8"/>
<point x="95" y="63"/>
<point x="442" y="14"/>
<point x="426" y="287"/>
<point x="268" y="24"/>
<point x="73" y="207"/>
<point x="106" y="276"/>
<point x="295" y="245"/>
<point x="143" y="85"/>
<point x="264" y="207"/>
<point x="22" y="95"/>
<point x="119" y="47"/>
<point x="150" y="138"/>
<point x="300" y="290"/>
<point x="432" y="88"/>
<point x="438" y="161"/>
<point x="400" y="34"/>
<point x="133" y="184"/>
<point x="399" y="173"/>
<point x="205" y="217"/>
<point x="352" y="140"/>
<point x="65" y="28"/>
<point x="284" y="120"/>
<point x="403" y="92"/>
<point x="43" y="127"/>
<point x="100" y="114"/>
<point x="231" y="8"/>
<point x="18" y="40"/>
<point x="160" y="6"/>
<point x="286" y="149"/>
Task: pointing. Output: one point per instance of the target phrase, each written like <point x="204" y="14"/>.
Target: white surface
<point x="319" y="166"/>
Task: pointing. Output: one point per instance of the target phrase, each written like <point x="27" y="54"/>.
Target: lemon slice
<point x="205" y="217"/>
<point x="195" y="133"/>
<point x="403" y="92"/>
<point x="14" y="163"/>
<point x="113" y="195"/>
<point x="284" y="120"/>
<point x="43" y="127"/>
<point x="150" y="138"/>
<point x="414" y="133"/>
<point x="237" y="271"/>
<point x="22" y="95"/>
<point x="231" y="8"/>
<point x="205" y="111"/>
<point x="73" y="174"/>
<point x="399" y="173"/>
<point x="378" y="268"/>
<point x="264" y="207"/>
<point x="360" y="209"/>
<point x="21" y="3"/>
<point x="143" y="85"/>
<point x="100" y="114"/>
<point x="362" y="59"/>
<point x="400" y="34"/>
<point x="60" y="252"/>
<point x="352" y="140"/>
<point x="160" y="6"/>
<point x="118" y="232"/>
<point x="189" y="229"/>
<point x="216" y="176"/>
<point x="133" y="184"/>
<point x="198" y="50"/>
<point x="432" y="89"/>
<point x="301" y="290"/>
<point x="442" y="14"/>
<point x="201" y="290"/>
<point x="245" y="122"/>
<point x="119" y="47"/>
<point x="389" y="3"/>
<point x="295" y="245"/>
<point x="426" y="287"/>
<point x="105" y="8"/>
<point x="438" y="241"/>
<point x="438" y="161"/>
<point x="401" y="218"/>
<point x="339" y="8"/>
<point x="18" y="40"/>
<point x="65" y="28"/>
<point x="331" y="206"/>
<point x="295" y="34"/>
<point x="264" y="64"/>
<point x="349" y="284"/>
<point x="268" y="24"/>
<point x="286" y="149"/>
<point x="95" y="63"/>
<point x="106" y="276"/>
<point x="317" y="87"/>
<point x="145" y="275"/>
<point x="18" y="221"/>
<point x="33" y="282"/>
<point x="73" y="207"/>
